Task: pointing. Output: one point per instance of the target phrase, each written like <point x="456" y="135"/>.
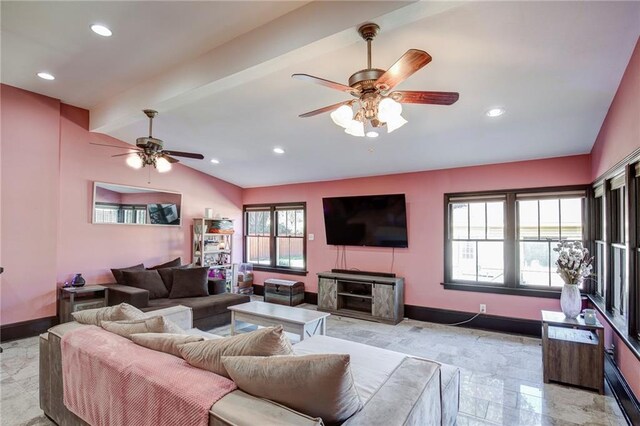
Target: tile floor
<point x="501" y="381"/>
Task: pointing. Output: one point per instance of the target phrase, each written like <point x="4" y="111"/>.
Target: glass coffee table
<point x="303" y="322"/>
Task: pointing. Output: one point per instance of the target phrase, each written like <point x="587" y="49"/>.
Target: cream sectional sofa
<point x="395" y="389"/>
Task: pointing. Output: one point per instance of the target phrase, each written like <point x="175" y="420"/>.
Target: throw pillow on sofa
<point x="319" y="385"/>
<point x="167" y="275"/>
<point x="117" y="272"/>
<point x="147" y="280"/>
<point x="164" y="342"/>
<point x="263" y="342"/>
<point x="190" y="282"/>
<point x="170" y="264"/>
<point x="123" y="311"/>
<point x="146" y="325"/>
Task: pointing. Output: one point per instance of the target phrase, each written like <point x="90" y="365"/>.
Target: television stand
<point x="369" y="297"/>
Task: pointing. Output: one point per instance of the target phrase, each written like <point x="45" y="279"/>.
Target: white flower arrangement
<point x="574" y="262"/>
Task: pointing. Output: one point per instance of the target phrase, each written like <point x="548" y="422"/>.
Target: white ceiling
<point x="554" y="66"/>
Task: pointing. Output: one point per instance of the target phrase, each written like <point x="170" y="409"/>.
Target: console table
<point x="572" y="351"/>
<point x="368" y="297"/>
<point x="73" y="299"/>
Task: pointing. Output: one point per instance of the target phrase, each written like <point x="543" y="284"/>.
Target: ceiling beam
<point x="276" y="45"/>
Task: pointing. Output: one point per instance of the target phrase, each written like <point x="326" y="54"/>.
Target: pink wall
<point x="30" y="194"/>
<point x="151" y="198"/>
<point x="619" y="137"/>
<point x="104" y="195"/>
<point x="48" y="170"/>
<point x="620" y="133"/>
<point x="422" y="263"/>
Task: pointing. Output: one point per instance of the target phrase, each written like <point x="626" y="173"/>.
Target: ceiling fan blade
<point x="127" y="153"/>
<point x="183" y="154"/>
<point x="418" y="97"/>
<point x="327" y="83"/>
<point x="325" y="109"/>
<point x="112" y="146"/>
<point x="404" y="68"/>
<point x="170" y="159"/>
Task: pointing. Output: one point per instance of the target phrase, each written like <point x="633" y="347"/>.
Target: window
<point x="275" y="237"/>
<point x="542" y="223"/>
<point x="618" y="260"/>
<point x="503" y="241"/>
<point x="600" y="244"/>
<point x="477" y="241"/>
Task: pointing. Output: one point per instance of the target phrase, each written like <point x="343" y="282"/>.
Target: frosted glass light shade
<point x="162" y="165"/>
<point x="134" y="161"/>
<point x="395" y="123"/>
<point x="356" y="128"/>
<point x="342" y="116"/>
<point x="388" y="110"/>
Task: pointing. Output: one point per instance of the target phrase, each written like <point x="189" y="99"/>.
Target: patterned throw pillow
<point x="263" y="342"/>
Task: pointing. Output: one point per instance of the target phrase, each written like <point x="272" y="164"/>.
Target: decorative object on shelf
<point x="212" y="244"/>
<point x="149" y="151"/>
<point x="376" y="104"/>
<point x="574" y="265"/>
<point x="590" y="316"/>
<point x="208" y="213"/>
<point x="78" y="281"/>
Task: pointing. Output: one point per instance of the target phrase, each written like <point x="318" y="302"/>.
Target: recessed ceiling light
<point x="46" y="76"/>
<point x="278" y="150"/>
<point x="495" y="112"/>
<point x="215" y="161"/>
<point x="101" y="30"/>
<point x="372" y="134"/>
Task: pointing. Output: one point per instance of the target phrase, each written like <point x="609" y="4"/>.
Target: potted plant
<point x="574" y="265"/>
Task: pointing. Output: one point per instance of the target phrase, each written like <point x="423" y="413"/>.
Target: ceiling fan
<point x="376" y="103"/>
<point x="150" y="152"/>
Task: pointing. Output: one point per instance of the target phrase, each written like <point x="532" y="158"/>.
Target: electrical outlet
<point x="483" y="308"/>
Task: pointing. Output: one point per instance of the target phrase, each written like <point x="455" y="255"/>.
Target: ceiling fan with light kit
<point x="150" y="151"/>
<point x="377" y="104"/>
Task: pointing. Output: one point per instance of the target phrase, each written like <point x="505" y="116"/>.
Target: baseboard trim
<point x="624" y="396"/>
<point x="21" y="330"/>
<point x="526" y="327"/>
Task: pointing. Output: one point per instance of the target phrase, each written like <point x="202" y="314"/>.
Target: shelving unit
<point x="213" y="243"/>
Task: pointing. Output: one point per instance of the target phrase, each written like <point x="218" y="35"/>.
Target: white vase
<point x="571" y="301"/>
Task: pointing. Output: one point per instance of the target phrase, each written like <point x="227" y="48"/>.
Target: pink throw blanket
<point x="109" y="380"/>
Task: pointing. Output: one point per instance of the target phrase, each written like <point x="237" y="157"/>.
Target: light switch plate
<point x="311" y="237"/>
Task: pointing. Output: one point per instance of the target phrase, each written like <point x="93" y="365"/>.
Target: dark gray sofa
<point x="208" y="311"/>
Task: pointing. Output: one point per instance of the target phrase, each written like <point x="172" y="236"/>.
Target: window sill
<point x="286" y="271"/>
<point x="501" y="289"/>
<point x="614" y="321"/>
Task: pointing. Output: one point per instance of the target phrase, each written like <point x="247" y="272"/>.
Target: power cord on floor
<point x="466" y="321"/>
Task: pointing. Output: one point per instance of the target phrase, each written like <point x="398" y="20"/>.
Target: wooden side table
<point x="73" y="299"/>
<point x="572" y="351"/>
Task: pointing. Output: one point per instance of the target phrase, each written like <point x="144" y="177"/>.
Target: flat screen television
<point x="371" y="220"/>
